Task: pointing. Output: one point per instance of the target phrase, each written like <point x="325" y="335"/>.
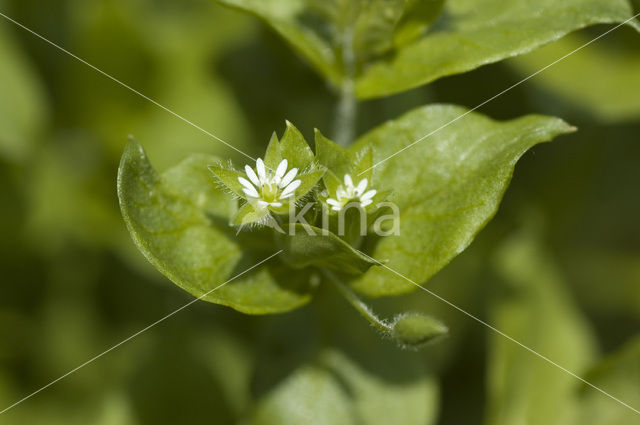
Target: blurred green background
<point x="558" y="268"/>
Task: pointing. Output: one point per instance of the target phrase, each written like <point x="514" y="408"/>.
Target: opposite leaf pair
<point x="397" y="45"/>
<point x="446" y="188"/>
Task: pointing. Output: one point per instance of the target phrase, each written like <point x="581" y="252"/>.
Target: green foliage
<point x="309" y="246"/>
<point x="611" y="100"/>
<point x="534" y="308"/>
<point x="445" y="197"/>
<point x="23" y="108"/>
<point x="450" y="186"/>
<point x="338" y="372"/>
<point x="179" y="222"/>
<point x="393" y="52"/>
<point x="75" y="284"/>
<point x="346" y="393"/>
<point x="618" y="374"/>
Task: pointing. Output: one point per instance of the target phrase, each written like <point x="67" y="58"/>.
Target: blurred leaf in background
<point x="74" y="284"/>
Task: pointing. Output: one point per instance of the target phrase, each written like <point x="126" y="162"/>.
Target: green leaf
<point x="394" y="52"/>
<point x="334" y="389"/>
<point x="614" y="66"/>
<point x="338" y="372"/>
<point x="418" y="14"/>
<point x="478" y="32"/>
<point x="302" y="249"/>
<point x="286" y="17"/>
<point x="373" y="25"/>
<point x="619" y="375"/>
<point x="447" y="187"/>
<point x="179" y="221"/>
<point x="536" y="309"/>
<point x="22" y="105"/>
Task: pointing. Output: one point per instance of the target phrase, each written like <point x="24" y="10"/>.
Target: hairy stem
<point x="358" y="304"/>
<point x="347" y="108"/>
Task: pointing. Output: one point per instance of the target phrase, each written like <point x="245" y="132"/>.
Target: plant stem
<point x="347" y="108"/>
<point x="358" y="304"/>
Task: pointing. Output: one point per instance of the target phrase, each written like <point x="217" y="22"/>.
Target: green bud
<point x="411" y="330"/>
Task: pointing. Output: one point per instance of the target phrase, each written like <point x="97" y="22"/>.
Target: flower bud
<point x="412" y="330"/>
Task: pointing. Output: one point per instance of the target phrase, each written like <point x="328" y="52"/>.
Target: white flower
<point x="268" y="188"/>
<point x="351" y="193"/>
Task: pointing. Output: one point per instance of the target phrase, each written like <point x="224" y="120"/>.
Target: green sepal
<point x="333" y="156"/>
<point x="228" y="178"/>
<point x="331" y="182"/>
<point x="413" y="330"/>
<point x="273" y="154"/>
<point x="294" y="147"/>
<point x="362" y="165"/>
<point x="309" y="180"/>
<point x="247" y="214"/>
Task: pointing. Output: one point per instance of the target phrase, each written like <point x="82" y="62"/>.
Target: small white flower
<point x="351" y="193"/>
<point x="268" y="188"/>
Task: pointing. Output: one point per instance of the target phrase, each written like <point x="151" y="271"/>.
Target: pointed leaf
<point x="248" y="215"/>
<point x="177" y="220"/>
<point x="447" y="187"/>
<point x="284" y="18"/>
<point x="478" y="32"/>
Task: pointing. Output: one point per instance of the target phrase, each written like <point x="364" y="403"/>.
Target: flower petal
<point x="367" y="202"/>
<point x="262" y="172"/>
<point x="291" y="187"/>
<point x="252" y="175"/>
<point x="251" y="192"/>
<point x="341" y="193"/>
<point x="276" y="204"/>
<point x="288" y="178"/>
<point x="282" y="168"/>
<point x="362" y="186"/>
<point x="348" y="181"/>
<point x="246" y="183"/>
<point x="368" y="195"/>
<point x="331" y="201"/>
<point x="262" y="203"/>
